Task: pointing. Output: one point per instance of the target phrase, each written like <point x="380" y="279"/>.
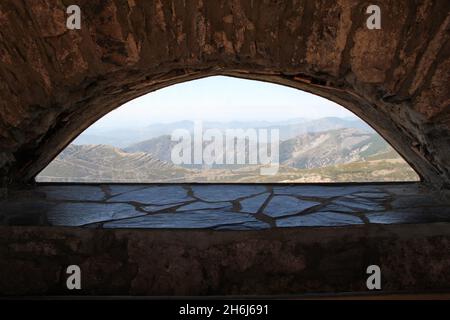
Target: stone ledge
<point x="412" y="258"/>
<point x="222" y="207"/>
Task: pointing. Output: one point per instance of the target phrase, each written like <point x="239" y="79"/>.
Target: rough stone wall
<point x="55" y="82"/>
<point x="33" y="260"/>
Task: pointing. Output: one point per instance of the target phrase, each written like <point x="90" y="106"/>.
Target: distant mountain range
<point x="332" y="147"/>
<point x="122" y="138"/>
<point x="346" y="154"/>
<point x="310" y="150"/>
<point x="103" y="163"/>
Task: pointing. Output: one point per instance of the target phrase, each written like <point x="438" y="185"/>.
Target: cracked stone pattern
<point x="319" y="219"/>
<point x="191" y="219"/>
<point x="198" y="205"/>
<point x="287" y="205"/>
<point x="253" y="204"/>
<point x="207" y="193"/>
<point x="154" y="195"/>
<point x="87" y="213"/>
<point x="160" y="208"/>
<point x="222" y="207"/>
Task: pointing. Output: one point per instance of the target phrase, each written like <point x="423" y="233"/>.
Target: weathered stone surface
<point x="360" y="204"/>
<point x="86" y="213"/>
<point x="378" y="204"/>
<point x="200" y="262"/>
<point x="338" y="208"/>
<point x="285" y="205"/>
<point x="54" y="83"/>
<point x="320" y="219"/>
<point x="161" y="208"/>
<point x="316" y="191"/>
<point x="155" y="195"/>
<point x="198" y="205"/>
<point x="116" y="189"/>
<point x="372" y="195"/>
<point x="226" y="193"/>
<point x="404" y="189"/>
<point x="399" y="217"/>
<point x="414" y="201"/>
<point x="253" y="204"/>
<point x="411" y="215"/>
<point x="245" y="226"/>
<point x="184" y="220"/>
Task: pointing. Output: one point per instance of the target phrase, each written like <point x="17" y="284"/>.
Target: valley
<point x="339" y="154"/>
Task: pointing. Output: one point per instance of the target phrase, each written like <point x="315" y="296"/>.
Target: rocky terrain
<point x="100" y="163"/>
<point x="341" y="155"/>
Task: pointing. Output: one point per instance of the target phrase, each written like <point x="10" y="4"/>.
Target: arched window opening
<point x="228" y="130"/>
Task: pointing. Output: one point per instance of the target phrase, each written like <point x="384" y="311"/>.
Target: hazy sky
<point x="221" y="99"/>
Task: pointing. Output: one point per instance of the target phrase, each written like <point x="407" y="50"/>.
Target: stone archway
<point x="56" y="82"/>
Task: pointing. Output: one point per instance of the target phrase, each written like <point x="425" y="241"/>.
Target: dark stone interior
<point x="285" y="262"/>
<point x="239" y="240"/>
<point x="54" y="83"/>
